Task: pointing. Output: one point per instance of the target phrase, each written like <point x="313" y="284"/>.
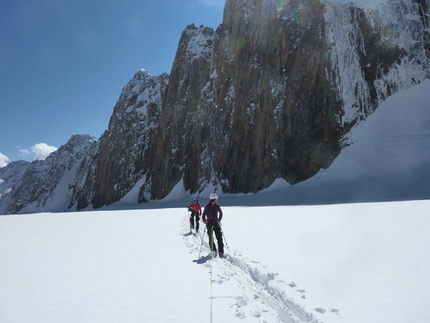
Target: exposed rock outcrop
<point x="285" y="84"/>
<point x="181" y="146"/>
<point x="123" y="155"/>
<point x="277" y="104"/>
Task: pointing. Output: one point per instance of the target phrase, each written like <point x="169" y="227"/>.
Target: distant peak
<point x="144" y="72"/>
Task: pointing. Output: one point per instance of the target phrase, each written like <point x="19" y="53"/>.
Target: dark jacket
<point x="212" y="213"/>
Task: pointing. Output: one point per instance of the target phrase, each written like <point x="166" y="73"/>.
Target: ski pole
<point x="226" y="244"/>
<point x="211" y="241"/>
<point x="212" y="263"/>
<point x="189" y="219"/>
<point x="203" y="239"/>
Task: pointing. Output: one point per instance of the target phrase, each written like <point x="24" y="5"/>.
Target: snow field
<point x="352" y="263"/>
<point x="126" y="266"/>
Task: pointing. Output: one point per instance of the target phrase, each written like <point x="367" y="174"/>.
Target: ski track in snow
<point x="264" y="294"/>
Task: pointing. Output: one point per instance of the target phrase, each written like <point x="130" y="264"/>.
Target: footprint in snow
<point x="241" y="301"/>
<point x="240" y="314"/>
<point x="222" y="279"/>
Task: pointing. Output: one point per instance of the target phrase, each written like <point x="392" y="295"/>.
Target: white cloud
<point x="42" y="150"/>
<point x="4" y="160"/>
<point x="23" y="151"/>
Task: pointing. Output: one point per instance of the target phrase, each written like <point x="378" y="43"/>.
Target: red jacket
<point x="196" y="207"/>
<point x="212" y="213"/>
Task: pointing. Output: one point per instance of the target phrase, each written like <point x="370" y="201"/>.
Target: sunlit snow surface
<point x="334" y="263"/>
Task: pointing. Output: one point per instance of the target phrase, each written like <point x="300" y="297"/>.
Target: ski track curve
<point x="263" y="293"/>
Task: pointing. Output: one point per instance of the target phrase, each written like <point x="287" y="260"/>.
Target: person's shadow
<point x="202" y="260"/>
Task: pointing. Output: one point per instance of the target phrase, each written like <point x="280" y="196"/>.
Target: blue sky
<point x="64" y="63"/>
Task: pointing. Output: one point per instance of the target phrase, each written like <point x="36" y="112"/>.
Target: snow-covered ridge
<point x="44" y="184"/>
<point x="201" y="41"/>
<point x="141" y="91"/>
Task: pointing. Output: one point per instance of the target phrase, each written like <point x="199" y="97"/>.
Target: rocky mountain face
<point x="281" y="87"/>
<point x="278" y="106"/>
<point x="183" y="148"/>
<point x="10" y="175"/>
<point x="124" y="151"/>
<point x="44" y="185"/>
<point x="270" y="94"/>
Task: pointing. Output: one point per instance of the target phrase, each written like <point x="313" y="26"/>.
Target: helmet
<point x="195" y="200"/>
<point x="213" y="196"/>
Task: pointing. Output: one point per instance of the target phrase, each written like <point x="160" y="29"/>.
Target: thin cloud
<point x="4" y="160"/>
<point x="42" y="150"/>
<point x="23" y="151"/>
<point x="213" y="3"/>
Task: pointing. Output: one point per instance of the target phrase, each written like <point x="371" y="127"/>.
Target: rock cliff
<point x="282" y="86"/>
<point x="124" y="151"/>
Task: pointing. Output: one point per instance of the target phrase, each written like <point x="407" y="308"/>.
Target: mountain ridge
<point x="268" y="95"/>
